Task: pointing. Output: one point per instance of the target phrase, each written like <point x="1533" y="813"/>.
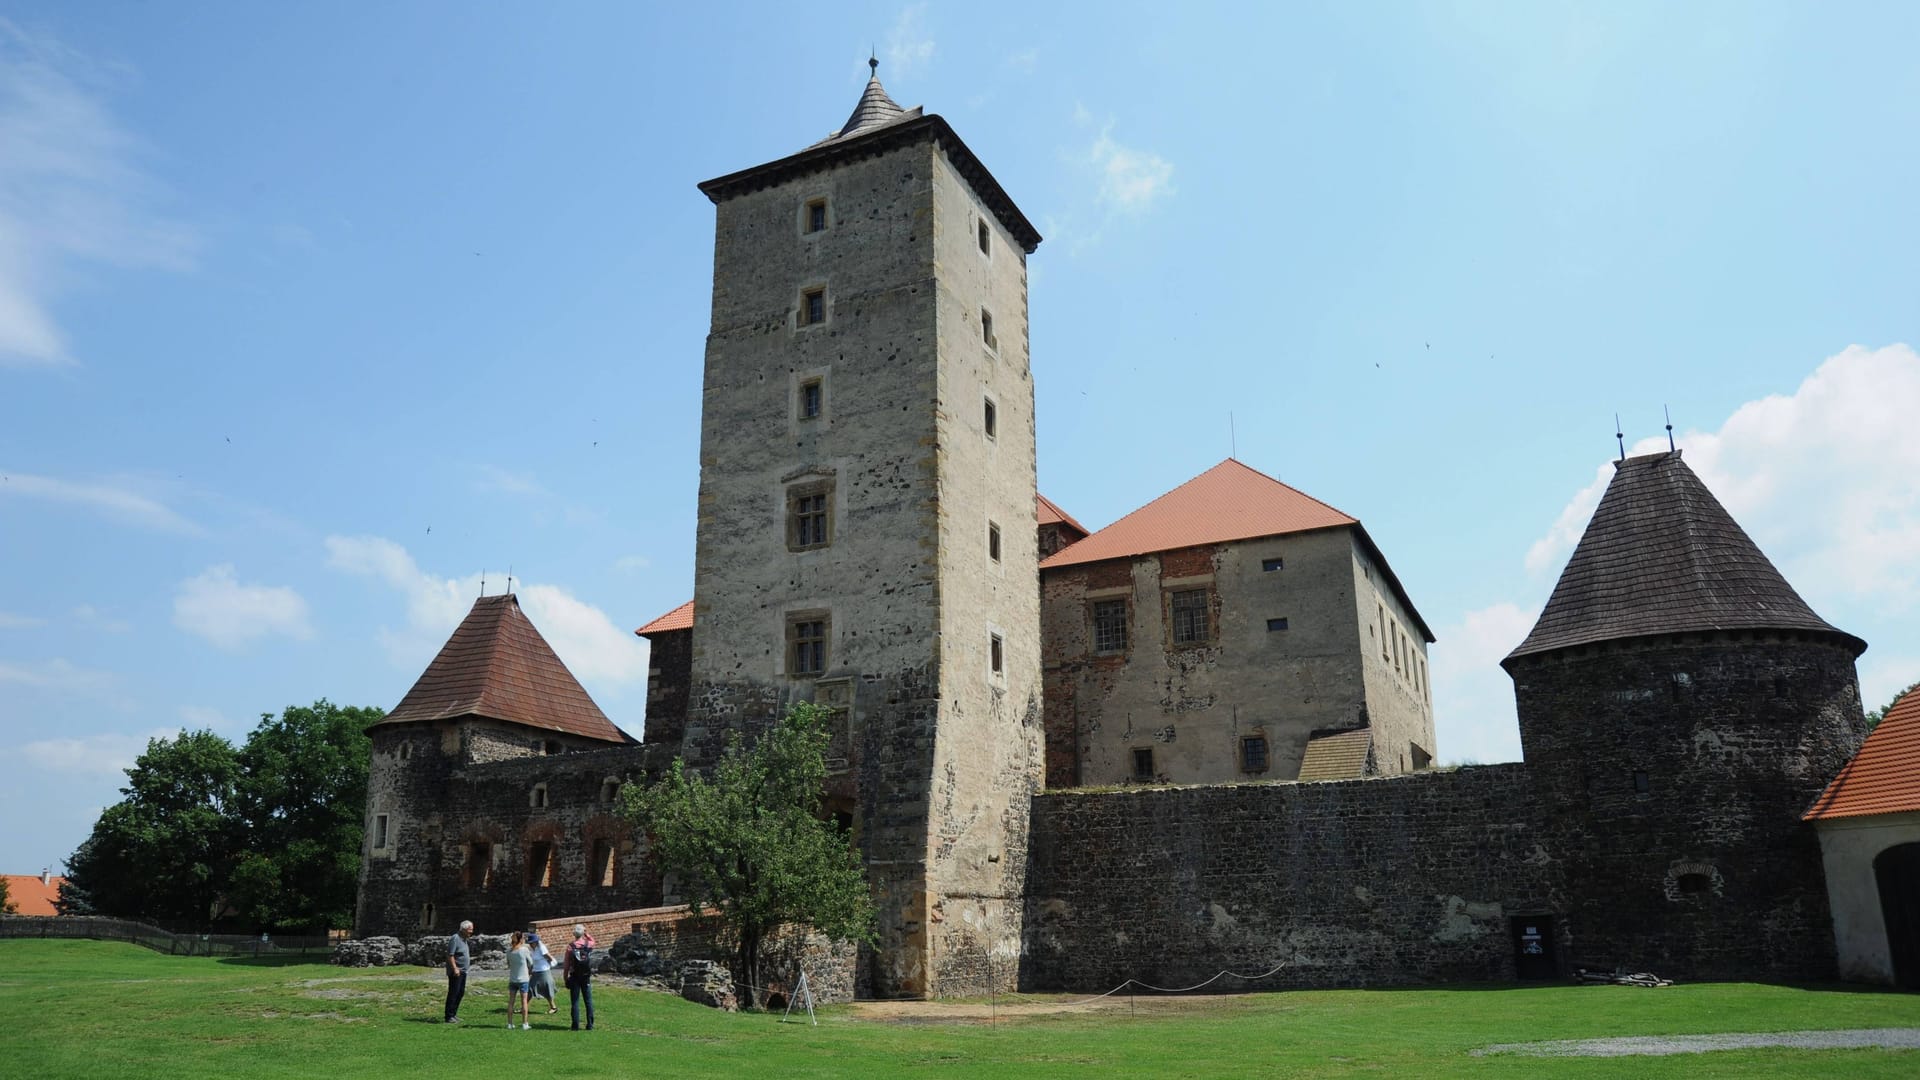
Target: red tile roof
<point x="1227" y="502"/>
<point x="496" y="665"/>
<point x="1051" y="514"/>
<point x="1884" y="775"/>
<point x="680" y="618"/>
<point x="30" y="896"/>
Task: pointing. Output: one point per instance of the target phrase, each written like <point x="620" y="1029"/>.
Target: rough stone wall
<point x="669" y="677"/>
<point x="1383" y="882"/>
<point x="1393" y="669"/>
<point x="438" y="804"/>
<point x="1673" y="772"/>
<point x="1055" y="535"/>
<point x="1192" y="704"/>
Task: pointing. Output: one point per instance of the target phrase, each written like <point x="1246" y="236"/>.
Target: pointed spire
<point x="1662" y="556"/>
<point x="875" y="108"/>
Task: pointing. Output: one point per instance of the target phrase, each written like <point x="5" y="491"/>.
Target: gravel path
<point x="1855" y="1039"/>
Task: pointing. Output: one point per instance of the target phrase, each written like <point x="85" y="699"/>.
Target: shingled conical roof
<point x="1662" y="556"/>
<point x="497" y="666"/>
<point x="873" y="109"/>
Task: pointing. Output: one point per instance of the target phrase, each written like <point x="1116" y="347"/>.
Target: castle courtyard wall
<point x="1380" y="882"/>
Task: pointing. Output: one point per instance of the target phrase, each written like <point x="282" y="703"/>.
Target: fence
<point x="157" y="939"/>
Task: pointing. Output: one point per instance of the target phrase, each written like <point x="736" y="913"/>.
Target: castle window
<point x="1109" y="626"/>
<point x="816" y="214"/>
<point x="986" y="238"/>
<point x="426" y="916"/>
<point x="609" y="790"/>
<point x="809" y="516"/>
<point x="406" y="750"/>
<point x="1191" y="624"/>
<point x="601" y="866"/>
<point x="379" y="832"/>
<point x="537" y="798"/>
<point x="1693" y="883"/>
<point x="990" y="419"/>
<point x="993" y="541"/>
<point x="996" y="653"/>
<point x="1253" y="753"/>
<point x="813" y="307"/>
<point x="1641" y="784"/>
<point x="540" y="864"/>
<point x="1276" y="624"/>
<point x="1421" y="759"/>
<point x="549" y="747"/>
<point x="807" y="643"/>
<point x="478" y="873"/>
<point x="1270" y="565"/>
<point x="1385" y="653"/>
<point x="1143" y="763"/>
<point x="986" y="329"/>
<point x="813" y="399"/>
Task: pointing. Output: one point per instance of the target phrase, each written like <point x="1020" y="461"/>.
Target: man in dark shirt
<point x="458" y="957"/>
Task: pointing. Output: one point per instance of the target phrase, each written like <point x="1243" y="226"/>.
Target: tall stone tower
<point x="867" y="523"/>
<point x="1680" y="707"/>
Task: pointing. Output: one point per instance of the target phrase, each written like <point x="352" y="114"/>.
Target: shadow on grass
<point x="276" y="960"/>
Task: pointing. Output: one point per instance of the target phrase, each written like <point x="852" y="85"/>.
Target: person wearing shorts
<point x="519" y="978"/>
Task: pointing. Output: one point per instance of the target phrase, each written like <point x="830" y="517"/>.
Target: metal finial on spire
<point x="1620" y="435"/>
<point x="1669" y="415"/>
<point x="873" y="61"/>
<point x="483" y="583"/>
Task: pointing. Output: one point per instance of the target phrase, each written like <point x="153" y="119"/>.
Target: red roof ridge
<point x="1883" y="776"/>
<point x="680" y="618"/>
<point x="1048" y="506"/>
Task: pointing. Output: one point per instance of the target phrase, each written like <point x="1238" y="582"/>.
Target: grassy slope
<point x="92" y="1009"/>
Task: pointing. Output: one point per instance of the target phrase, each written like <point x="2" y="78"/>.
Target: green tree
<point x="298" y="808"/>
<point x="6" y="902"/>
<point x="163" y="851"/>
<point x="748" y="842"/>
<point x="1879" y="714"/>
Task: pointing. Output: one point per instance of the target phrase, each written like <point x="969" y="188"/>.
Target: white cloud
<point x="94" y="619"/>
<point x="1472" y="695"/>
<point x="57" y="675"/>
<point x="228" y="613"/>
<point x="909" y="46"/>
<point x="584" y="637"/>
<point x="10" y="621"/>
<point x="105" y="754"/>
<point x="1822" y="478"/>
<point x="627" y="564"/>
<point x="1131" y="180"/>
<point x="118" y="503"/>
<point x="70" y="192"/>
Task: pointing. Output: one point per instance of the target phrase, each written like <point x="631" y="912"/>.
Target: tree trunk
<point x="746" y="972"/>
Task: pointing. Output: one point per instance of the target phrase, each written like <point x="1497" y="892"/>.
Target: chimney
<point x="46" y="875"/>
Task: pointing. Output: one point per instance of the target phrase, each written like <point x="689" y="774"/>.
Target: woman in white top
<point x="519" y="967"/>
<point x="542" y="970"/>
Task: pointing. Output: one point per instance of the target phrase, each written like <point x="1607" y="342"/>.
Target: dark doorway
<point x="1533" y="947"/>
<point x="1897" y="871"/>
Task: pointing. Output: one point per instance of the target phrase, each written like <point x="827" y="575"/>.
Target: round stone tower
<point x="1680" y="707"/>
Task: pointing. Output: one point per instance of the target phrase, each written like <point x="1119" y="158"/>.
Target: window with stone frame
<point x="816" y="215"/>
<point x="537" y="798"/>
<point x="996" y="653"/>
<point x="602" y="867"/>
<point x="807" y="643"/>
<point x="1191" y="616"/>
<point x="1143" y="763"/>
<point x="813" y="306"/>
<point x="993" y="541"/>
<point x="1253" y="753"/>
<point x="813" y="399"/>
<point x="540" y="864"/>
<point x="478" y="871"/>
<point x="379" y="832"/>
<point x="986" y="329"/>
<point x="986" y="237"/>
<point x="809" y="516"/>
<point x="990" y="418"/>
<point x="1109" y="626"/>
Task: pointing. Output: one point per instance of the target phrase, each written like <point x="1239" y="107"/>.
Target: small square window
<point x="986" y="329"/>
<point x="996" y="653"/>
<point x="1270" y="565"/>
<point x="1191" y="622"/>
<point x="993" y="541"/>
<point x="990" y="418"/>
<point x="1253" y="753"/>
<point x="813" y="399"/>
<point x="1109" y="626"/>
<point x="807" y="645"/>
<point x="817" y="216"/>
<point x="813" y="307"/>
<point x="1143" y="763"/>
<point x="1276" y="624"/>
<point x="1641" y="784"/>
<point x="986" y="238"/>
<point x="379" y="831"/>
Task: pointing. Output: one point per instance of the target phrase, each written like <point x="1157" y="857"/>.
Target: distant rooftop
<point x="1884" y="775"/>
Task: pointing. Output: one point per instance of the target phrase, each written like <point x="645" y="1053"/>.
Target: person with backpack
<point x="577" y="971"/>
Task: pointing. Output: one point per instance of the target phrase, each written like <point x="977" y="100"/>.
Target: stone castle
<point x="1198" y="739"/>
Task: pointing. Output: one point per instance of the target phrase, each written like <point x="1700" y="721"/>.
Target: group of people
<point x="530" y="966"/>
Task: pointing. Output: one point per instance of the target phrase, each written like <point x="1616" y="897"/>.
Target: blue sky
<point x="310" y="315"/>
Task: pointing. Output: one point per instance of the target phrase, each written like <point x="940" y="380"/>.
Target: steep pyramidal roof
<point x="1227" y="502"/>
<point x="496" y="665"/>
<point x="1884" y="776"/>
<point x="874" y="109"/>
<point x="1662" y="556"/>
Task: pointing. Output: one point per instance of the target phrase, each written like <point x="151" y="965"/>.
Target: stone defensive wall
<point x="1398" y="881"/>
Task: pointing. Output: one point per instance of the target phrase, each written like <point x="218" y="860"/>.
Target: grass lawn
<point x="96" y="1009"/>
